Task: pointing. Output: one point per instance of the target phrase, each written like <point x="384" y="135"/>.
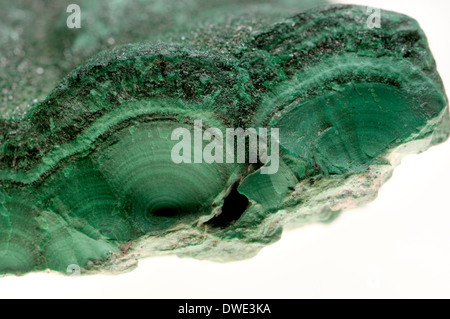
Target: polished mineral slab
<point x="86" y="174"/>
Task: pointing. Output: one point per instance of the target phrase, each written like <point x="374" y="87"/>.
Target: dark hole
<point x="233" y="208"/>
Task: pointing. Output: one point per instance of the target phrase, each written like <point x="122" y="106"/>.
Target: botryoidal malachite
<point x="86" y="175"/>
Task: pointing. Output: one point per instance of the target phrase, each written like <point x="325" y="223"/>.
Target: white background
<point x="397" y="246"/>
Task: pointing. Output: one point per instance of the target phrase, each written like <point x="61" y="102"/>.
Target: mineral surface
<point x="87" y="176"/>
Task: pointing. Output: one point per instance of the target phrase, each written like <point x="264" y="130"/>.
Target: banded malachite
<point x="87" y="176"/>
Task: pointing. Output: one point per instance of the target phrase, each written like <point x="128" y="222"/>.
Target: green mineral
<point x="322" y="103"/>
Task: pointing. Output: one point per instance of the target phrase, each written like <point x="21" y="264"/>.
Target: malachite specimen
<point x="86" y="174"/>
